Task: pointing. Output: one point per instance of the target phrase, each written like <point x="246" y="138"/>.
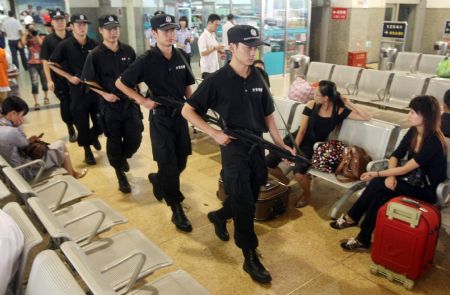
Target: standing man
<point x="67" y="61"/>
<point x="228" y="25"/>
<point x="56" y="83"/>
<point x="121" y="117"/>
<point x="13" y="30"/>
<point x="237" y="93"/>
<point x="208" y="47"/>
<point x="164" y="71"/>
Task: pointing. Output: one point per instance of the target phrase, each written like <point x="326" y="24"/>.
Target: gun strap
<point x="279" y="113"/>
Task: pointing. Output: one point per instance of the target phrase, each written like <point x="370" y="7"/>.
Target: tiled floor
<point x="300" y="249"/>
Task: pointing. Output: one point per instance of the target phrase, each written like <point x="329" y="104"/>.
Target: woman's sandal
<point x="46" y="100"/>
<point x="81" y="174"/>
<point x="342" y="223"/>
<point x="37" y="107"/>
<point x="302" y="202"/>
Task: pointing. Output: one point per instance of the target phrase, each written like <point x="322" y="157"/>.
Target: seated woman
<point x="425" y="147"/>
<point x="320" y="117"/>
<point x="13" y="139"/>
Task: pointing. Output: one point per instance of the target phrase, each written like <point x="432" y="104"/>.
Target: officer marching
<point x="55" y="83"/>
<point x="237" y="93"/>
<point x="121" y="117"/>
<point x="67" y="61"/>
<point x="164" y="71"/>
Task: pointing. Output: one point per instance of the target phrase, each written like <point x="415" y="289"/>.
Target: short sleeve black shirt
<point x="49" y="44"/>
<point x="104" y="66"/>
<point x="242" y="103"/>
<point x="71" y="55"/>
<point x="165" y="77"/>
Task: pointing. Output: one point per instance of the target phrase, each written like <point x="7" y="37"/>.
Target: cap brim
<point x="255" y="43"/>
<point x="79" y="21"/>
<point x="111" y="26"/>
<point x="59" y="17"/>
<point x="168" y="27"/>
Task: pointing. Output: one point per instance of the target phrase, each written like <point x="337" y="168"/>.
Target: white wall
<point x="438" y="4"/>
<point x="359" y="3"/>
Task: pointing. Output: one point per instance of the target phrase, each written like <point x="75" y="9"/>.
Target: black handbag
<point x="416" y="178"/>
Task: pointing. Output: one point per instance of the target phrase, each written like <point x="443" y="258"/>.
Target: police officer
<point x="237" y="93"/>
<point x="164" y="71"/>
<point x="67" y="61"/>
<point x="56" y="83"/>
<point x="122" y="117"/>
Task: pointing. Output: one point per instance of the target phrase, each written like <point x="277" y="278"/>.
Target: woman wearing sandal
<point x="425" y="148"/>
<point x="320" y="117"/>
<point x="13" y="140"/>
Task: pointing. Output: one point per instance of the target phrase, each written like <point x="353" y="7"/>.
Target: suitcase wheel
<point x="373" y="269"/>
<point x="409" y="284"/>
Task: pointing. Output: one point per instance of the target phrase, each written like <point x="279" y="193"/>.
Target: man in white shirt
<point x="11" y="246"/>
<point x="229" y="24"/>
<point x="208" y="47"/>
<point x="13" y="30"/>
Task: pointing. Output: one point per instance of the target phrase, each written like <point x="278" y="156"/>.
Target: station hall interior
<point x="380" y="54"/>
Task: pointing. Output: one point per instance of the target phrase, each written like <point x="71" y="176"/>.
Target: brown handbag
<point x="353" y="164"/>
<point x="36" y="150"/>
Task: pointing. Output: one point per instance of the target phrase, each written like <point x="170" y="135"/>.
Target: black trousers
<point x="14" y="47"/>
<point x="84" y="106"/>
<point x="171" y="146"/>
<point x="123" y="128"/>
<point x="376" y="195"/>
<point x="63" y="94"/>
<point x="243" y="173"/>
<point x="36" y="73"/>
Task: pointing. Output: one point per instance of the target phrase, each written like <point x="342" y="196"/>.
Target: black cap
<point x="159" y="12"/>
<point x="108" y="21"/>
<point x="245" y="34"/>
<point x="79" y="18"/>
<point x="57" y="14"/>
<point x="163" y="22"/>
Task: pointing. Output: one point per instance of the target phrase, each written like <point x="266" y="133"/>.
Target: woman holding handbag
<point x="425" y="147"/>
<point x="17" y="149"/>
<point x="320" y="117"/>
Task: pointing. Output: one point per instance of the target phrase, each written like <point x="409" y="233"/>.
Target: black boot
<point x="220" y="226"/>
<point x="125" y="166"/>
<point x="124" y="185"/>
<point x="179" y="218"/>
<point x="72" y="133"/>
<point x="89" y="156"/>
<point x="157" y="189"/>
<point x="254" y="267"/>
<point x="96" y="143"/>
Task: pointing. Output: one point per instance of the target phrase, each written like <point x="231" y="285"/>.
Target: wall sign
<point x="447" y="28"/>
<point x="339" y="13"/>
<point x="396" y="30"/>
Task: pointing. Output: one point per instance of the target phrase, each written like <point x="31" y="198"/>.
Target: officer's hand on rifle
<point x="110" y="97"/>
<point x="291" y="150"/>
<point x="149" y="104"/>
<point x="74" y="80"/>
<point x="221" y="138"/>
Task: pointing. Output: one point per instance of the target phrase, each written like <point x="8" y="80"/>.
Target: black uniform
<point x="122" y="119"/>
<point x="71" y="55"/>
<point x="169" y="132"/>
<point x="242" y="103"/>
<point x="61" y="85"/>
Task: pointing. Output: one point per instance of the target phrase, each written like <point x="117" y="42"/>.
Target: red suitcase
<point x="405" y="239"/>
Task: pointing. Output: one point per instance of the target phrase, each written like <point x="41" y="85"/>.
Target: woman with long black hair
<point x="425" y="148"/>
<point x="320" y="117"/>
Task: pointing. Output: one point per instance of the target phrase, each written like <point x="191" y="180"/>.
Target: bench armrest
<point x="377" y="165"/>
<point x="63" y="193"/>
<point x="39" y="162"/>
<point x="96" y="227"/>
<point x="136" y="272"/>
<point x="381" y="93"/>
<point x="442" y="192"/>
<point x="350" y="87"/>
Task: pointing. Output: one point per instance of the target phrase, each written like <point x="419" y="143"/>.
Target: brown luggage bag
<point x="272" y="201"/>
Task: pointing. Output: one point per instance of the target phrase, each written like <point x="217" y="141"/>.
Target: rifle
<point x="241" y="134"/>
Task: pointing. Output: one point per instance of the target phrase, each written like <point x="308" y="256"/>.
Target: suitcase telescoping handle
<point x="404" y="213"/>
